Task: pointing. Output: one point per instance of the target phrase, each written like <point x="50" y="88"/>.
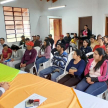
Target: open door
<point x="57" y="29"/>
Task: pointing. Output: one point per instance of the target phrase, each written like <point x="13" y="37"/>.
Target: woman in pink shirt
<point x="6" y="53"/>
<point x="96" y="74"/>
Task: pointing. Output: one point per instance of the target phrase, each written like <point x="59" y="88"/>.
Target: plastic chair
<point x="47" y="63"/>
<point x="23" y="50"/>
<point x="90" y="53"/>
<point x="37" y="49"/>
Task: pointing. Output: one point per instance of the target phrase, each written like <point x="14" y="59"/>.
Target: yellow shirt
<point x="73" y="41"/>
<point x="94" y="44"/>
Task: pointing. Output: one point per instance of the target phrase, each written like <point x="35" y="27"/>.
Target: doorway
<point x="82" y="22"/>
<point x="106" y="27"/>
<point x="55" y="28"/>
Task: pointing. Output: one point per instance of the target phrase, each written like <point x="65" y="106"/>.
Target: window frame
<point x="15" y="29"/>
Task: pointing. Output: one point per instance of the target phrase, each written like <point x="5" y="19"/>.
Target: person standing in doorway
<point x="86" y="33"/>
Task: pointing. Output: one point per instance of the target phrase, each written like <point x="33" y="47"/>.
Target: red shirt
<point x="98" y="46"/>
<point x="5" y="54"/>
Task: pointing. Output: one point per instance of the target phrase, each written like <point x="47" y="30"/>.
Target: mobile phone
<point x="30" y="103"/>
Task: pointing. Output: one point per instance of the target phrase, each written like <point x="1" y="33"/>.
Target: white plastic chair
<point x="48" y="63"/>
<point x="70" y="56"/>
<point x="23" y="50"/>
<point x="37" y="49"/>
<point x="22" y="46"/>
<point x="90" y="53"/>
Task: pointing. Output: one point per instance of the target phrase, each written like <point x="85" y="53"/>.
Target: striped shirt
<point x="60" y="61"/>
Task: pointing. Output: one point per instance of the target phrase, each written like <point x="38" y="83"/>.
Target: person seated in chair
<point x="93" y="42"/>
<point x="58" y="64"/>
<point x="106" y="55"/>
<point x="105" y="40"/>
<point x="86" y="48"/>
<point x="51" y="40"/>
<point x="2" y="42"/>
<point x="44" y="54"/>
<point x="16" y="57"/>
<point x="67" y="40"/>
<point x="36" y="41"/>
<point x="61" y="40"/>
<point x="6" y="53"/>
<point x="75" y="70"/>
<point x="22" y="42"/>
<point x="101" y="44"/>
<point x="28" y="59"/>
<point x="96" y="74"/>
<point x="3" y="87"/>
<point x="73" y="44"/>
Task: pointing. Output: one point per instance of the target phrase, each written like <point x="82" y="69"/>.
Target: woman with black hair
<point x="101" y="44"/>
<point x="44" y="53"/>
<point x="67" y="40"/>
<point x="86" y="33"/>
<point x="86" y="48"/>
<point x="96" y="74"/>
<point x="6" y="53"/>
<point x="93" y="42"/>
<point x="16" y="57"/>
<point x="75" y="70"/>
<point x="106" y="55"/>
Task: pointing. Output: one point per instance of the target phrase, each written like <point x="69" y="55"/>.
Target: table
<point x="24" y="85"/>
<point x="89" y="101"/>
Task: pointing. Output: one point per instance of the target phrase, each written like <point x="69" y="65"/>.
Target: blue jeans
<point x="93" y="89"/>
<point x="39" y="61"/>
<point x="50" y="70"/>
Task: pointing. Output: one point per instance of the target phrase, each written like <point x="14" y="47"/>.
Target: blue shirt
<point x="80" y="66"/>
<point x="86" y="50"/>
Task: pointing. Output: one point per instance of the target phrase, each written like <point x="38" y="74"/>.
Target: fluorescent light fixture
<point x="6" y="1"/>
<point x="57" y="7"/>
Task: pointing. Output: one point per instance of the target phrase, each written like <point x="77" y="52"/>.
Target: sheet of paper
<point x="34" y="96"/>
<point x="7" y="73"/>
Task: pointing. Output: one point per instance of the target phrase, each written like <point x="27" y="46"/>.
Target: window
<point x="17" y="23"/>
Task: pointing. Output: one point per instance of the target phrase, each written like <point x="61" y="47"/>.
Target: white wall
<point x="39" y="15"/>
<point x="102" y="13"/>
<point x="34" y="15"/>
<point x="70" y="14"/>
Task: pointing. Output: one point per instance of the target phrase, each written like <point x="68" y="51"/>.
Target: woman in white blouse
<point x="16" y="57"/>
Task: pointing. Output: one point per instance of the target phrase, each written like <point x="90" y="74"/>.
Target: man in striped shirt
<point x="58" y="64"/>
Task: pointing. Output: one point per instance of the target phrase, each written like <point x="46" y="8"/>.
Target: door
<point x="82" y="22"/>
<point x="106" y="27"/>
<point x="57" y="29"/>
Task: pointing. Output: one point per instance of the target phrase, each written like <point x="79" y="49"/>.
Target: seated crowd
<point x="88" y="75"/>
